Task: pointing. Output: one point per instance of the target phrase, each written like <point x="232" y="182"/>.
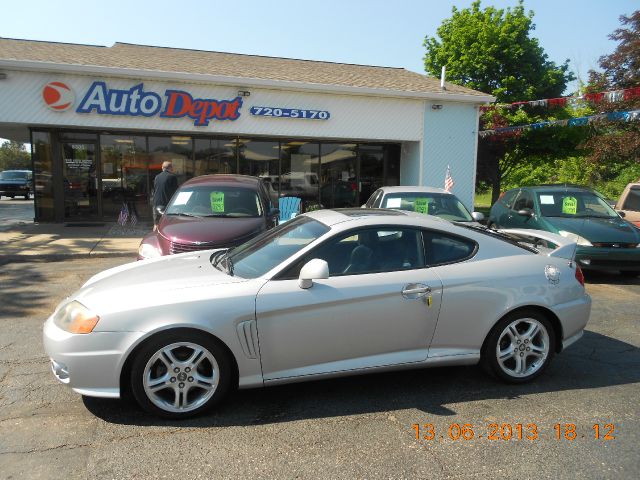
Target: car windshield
<point x="214" y="201"/>
<point x="574" y="204"/>
<point x="264" y="252"/>
<point x="443" y="205"/>
<point x="9" y="175"/>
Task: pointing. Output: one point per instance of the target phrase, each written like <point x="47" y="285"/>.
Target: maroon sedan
<point x="211" y="211"/>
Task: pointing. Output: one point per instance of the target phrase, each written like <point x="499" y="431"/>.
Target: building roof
<point x="219" y="64"/>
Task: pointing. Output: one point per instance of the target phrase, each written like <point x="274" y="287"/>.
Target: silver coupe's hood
<point x="153" y="282"/>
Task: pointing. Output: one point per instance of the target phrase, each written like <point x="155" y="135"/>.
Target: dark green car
<point x="605" y="240"/>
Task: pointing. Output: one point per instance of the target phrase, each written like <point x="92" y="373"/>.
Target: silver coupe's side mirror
<point x="314" y="269"/>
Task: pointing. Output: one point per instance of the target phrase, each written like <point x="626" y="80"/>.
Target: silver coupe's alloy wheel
<point x="523" y="347"/>
<point x="181" y="377"/>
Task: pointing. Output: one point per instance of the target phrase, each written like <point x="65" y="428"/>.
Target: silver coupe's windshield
<point x="214" y="201"/>
<point x="266" y="251"/>
<point x="576" y="204"/>
<point x="440" y="204"/>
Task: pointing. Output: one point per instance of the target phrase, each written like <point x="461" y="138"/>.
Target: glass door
<point x="79" y="168"/>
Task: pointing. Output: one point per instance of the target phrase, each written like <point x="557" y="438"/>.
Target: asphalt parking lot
<point x="358" y="427"/>
<point x="15" y="211"/>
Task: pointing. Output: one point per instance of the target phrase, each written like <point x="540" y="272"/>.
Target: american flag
<point x="448" y="180"/>
<point x="124" y="214"/>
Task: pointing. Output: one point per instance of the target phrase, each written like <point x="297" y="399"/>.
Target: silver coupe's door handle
<point x="416" y="289"/>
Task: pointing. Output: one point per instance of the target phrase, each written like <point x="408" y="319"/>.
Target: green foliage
<point x="14" y="156"/>
<point x="492" y="51"/>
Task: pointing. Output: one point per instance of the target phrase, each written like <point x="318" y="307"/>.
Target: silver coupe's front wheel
<point x="178" y="375"/>
<point x="519" y="347"/>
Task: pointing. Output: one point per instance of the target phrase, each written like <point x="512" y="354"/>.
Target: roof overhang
<point x="239" y="82"/>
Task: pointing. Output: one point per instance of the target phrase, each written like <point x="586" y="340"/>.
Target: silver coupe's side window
<point x="442" y="249"/>
<point x="370" y="250"/>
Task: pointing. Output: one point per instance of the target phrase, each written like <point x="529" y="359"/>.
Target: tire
<point x="492" y="226"/>
<point x="515" y="338"/>
<point x="180" y="374"/>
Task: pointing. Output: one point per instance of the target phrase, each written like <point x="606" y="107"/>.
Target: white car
<point x="429" y="200"/>
<point x="329" y="293"/>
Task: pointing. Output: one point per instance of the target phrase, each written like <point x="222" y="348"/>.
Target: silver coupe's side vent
<point x="248" y="336"/>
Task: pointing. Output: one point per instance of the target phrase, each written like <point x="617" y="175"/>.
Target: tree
<point x="492" y="51"/>
<point x="615" y="146"/>
<point x="622" y="67"/>
<point x="13" y="155"/>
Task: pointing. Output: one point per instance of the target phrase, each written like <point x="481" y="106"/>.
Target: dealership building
<point x="101" y="120"/>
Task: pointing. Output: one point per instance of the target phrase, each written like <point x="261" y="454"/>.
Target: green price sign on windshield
<point x="420" y="205"/>
<point x="217" y="202"/>
<point x="569" y="205"/>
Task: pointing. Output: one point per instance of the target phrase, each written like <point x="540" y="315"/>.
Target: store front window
<point x="44" y="185"/>
<point x="214" y="156"/>
<point x="258" y="158"/>
<point x="178" y="150"/>
<point x="124" y="165"/>
<point x="339" y="176"/>
<point x="299" y="168"/>
<point x="81" y="175"/>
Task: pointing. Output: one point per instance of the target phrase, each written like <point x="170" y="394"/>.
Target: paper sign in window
<point x="421" y="205"/>
<point x="569" y="205"/>
<point x="547" y="200"/>
<point x="182" y="198"/>
<point x="217" y="201"/>
<point x="394" y="202"/>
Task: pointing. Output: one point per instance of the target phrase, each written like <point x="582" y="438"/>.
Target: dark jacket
<point x="164" y="186"/>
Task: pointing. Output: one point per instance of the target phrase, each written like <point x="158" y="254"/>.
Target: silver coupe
<point x="329" y="293"/>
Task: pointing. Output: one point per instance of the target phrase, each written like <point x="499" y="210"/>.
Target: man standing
<point x="164" y="186"/>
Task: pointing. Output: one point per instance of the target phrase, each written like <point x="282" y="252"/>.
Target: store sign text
<point x="290" y="113"/>
<point x="138" y="102"/>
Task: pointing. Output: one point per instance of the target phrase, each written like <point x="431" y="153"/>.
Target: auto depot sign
<point x="137" y="101"/>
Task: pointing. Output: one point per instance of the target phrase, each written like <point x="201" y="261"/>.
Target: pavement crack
<point x="65" y="446"/>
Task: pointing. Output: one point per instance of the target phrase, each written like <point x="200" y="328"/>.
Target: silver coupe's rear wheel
<point x="180" y="374"/>
<point x="519" y="347"/>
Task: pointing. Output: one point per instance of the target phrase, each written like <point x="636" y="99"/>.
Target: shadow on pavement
<point x="18" y="291"/>
<point x="610" y="278"/>
<point x="596" y="361"/>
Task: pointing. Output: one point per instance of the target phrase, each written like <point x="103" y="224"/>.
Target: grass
<point x="482" y="203"/>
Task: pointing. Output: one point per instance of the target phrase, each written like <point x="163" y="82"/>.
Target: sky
<point x="371" y="32"/>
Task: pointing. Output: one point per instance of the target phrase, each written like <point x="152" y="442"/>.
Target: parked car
<point x="211" y="211"/>
<point x="605" y="241"/>
<point x="430" y="200"/>
<point x="329" y="293"/>
<point x="629" y="203"/>
<point x="16" y="183"/>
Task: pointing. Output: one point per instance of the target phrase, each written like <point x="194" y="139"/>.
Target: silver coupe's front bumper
<point x="89" y="363"/>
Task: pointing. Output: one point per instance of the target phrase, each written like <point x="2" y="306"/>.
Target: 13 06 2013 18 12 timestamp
<point x="513" y="431"/>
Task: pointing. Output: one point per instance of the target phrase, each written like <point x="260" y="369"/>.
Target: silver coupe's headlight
<point x="149" y="251"/>
<point x="75" y="318"/>
<point x="583" y="242"/>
